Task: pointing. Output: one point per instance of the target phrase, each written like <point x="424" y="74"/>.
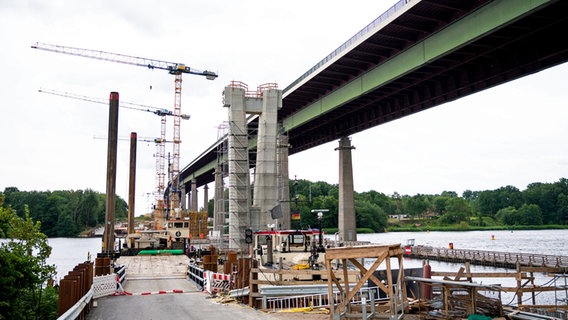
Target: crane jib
<point x="171" y="67"/>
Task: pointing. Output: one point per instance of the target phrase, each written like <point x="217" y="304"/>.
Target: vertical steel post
<point x="132" y="182"/>
<point x="108" y="239"/>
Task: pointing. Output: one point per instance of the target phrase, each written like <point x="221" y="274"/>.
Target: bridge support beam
<point x="347" y="220"/>
<point x="219" y="208"/>
<point x="183" y="197"/>
<point x="205" y="197"/>
<point x="283" y="182"/>
<point x="193" y="206"/>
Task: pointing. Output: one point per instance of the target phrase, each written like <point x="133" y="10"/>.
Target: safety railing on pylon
<point x="259" y="90"/>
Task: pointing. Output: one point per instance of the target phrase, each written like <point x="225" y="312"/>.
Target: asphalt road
<point x="188" y="303"/>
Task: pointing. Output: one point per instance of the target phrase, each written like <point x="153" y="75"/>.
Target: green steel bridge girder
<point x="209" y="167"/>
<point x="485" y="20"/>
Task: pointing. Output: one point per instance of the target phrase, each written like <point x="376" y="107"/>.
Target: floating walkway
<point x="511" y="260"/>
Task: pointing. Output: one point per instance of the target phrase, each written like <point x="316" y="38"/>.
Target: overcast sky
<point x="514" y="134"/>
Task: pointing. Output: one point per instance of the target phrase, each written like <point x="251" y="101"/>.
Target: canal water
<point x="68" y="252"/>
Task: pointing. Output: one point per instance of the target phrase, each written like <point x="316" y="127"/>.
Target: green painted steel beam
<point x="213" y="164"/>
<point x="485" y="20"/>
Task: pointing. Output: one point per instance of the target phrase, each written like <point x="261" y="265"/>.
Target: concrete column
<point x="266" y="193"/>
<point x="193" y="206"/>
<point x="239" y="181"/>
<point x="205" y="198"/>
<point x="108" y="236"/>
<point x="132" y="183"/>
<point x="284" y="182"/>
<point x="219" y="209"/>
<point x="347" y="219"/>
<point x="183" y="197"/>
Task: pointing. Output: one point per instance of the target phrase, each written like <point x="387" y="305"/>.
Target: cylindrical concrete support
<point x="347" y="220"/>
<point x="193" y="196"/>
<point x="205" y="198"/>
<point x="108" y="238"/>
<point x="284" y="223"/>
<point x="183" y="197"/>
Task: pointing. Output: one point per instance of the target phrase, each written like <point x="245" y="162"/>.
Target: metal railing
<point x="195" y="274"/>
<point x="316" y="300"/>
<point x="347" y="44"/>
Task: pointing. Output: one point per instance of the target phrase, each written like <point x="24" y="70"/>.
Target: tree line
<point x="67" y="213"/>
<point x="539" y="204"/>
<point x="64" y="213"/>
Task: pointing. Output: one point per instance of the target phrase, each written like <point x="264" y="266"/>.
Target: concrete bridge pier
<point x="193" y="197"/>
<point x="239" y="181"/>
<point x="183" y="197"/>
<point x="347" y="219"/>
<point x="219" y="207"/>
<point x="284" y="223"/>
<point x="205" y="197"/>
<point x="266" y="193"/>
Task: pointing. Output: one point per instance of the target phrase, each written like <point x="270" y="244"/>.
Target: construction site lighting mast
<point x="176" y="69"/>
<point x="160" y="142"/>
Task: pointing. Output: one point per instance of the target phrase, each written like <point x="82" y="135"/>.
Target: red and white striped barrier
<point x="214" y="282"/>
<point x="147" y="293"/>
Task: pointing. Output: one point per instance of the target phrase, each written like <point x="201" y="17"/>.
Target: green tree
<point x="530" y="214"/>
<point x="24" y="270"/>
<point x="507" y="216"/>
<point x="370" y="215"/>
<point x="458" y="210"/>
<point x="548" y="197"/>
<point x="380" y="199"/>
<point x="415" y="206"/>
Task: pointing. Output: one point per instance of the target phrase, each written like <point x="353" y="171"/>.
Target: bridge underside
<point x="523" y="46"/>
<point x="528" y="45"/>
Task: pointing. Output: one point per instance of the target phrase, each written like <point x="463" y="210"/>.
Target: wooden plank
<point x="302" y="272"/>
<point x="362" y="251"/>
<point x="476" y="274"/>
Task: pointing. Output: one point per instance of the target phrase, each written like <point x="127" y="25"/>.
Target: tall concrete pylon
<point x="265" y="102"/>
<point x="283" y="182"/>
<point x="266" y="187"/>
<point x="347" y="220"/>
<point x="239" y="182"/>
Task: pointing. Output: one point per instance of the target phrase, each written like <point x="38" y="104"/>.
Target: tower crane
<point x="176" y="69"/>
<point x="160" y="142"/>
<point x="123" y="104"/>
